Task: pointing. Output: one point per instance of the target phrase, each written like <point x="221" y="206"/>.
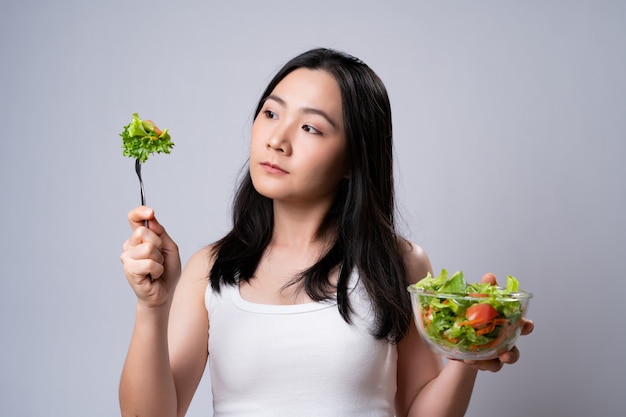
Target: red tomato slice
<point x="480" y="314"/>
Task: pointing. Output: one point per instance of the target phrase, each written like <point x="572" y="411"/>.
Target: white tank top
<point x="297" y="360"/>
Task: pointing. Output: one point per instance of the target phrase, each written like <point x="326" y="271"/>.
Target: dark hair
<point x="362" y="214"/>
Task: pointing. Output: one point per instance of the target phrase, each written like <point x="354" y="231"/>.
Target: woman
<point x="305" y="309"/>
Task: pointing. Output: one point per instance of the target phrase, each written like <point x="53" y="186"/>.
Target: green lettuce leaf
<point x="140" y="139"/>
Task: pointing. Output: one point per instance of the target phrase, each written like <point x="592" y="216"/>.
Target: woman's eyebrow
<point x="306" y="110"/>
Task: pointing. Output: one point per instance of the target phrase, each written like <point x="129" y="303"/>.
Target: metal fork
<point x="143" y="194"/>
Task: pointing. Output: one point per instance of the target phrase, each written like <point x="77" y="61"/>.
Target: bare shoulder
<point x="199" y="264"/>
<point x="416" y="261"/>
<point x="201" y="261"/>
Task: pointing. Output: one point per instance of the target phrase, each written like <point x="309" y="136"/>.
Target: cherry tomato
<point x="480" y="314"/>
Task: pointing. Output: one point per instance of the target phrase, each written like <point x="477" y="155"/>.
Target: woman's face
<point x="298" y="146"/>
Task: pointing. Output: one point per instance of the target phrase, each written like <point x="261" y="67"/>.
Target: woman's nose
<point x="279" y="141"/>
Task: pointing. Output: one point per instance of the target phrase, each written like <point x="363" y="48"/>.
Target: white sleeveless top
<point x="297" y="360"/>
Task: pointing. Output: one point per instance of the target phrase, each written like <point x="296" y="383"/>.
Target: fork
<point x="143" y="194"/>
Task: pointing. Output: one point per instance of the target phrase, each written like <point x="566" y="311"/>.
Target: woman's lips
<point x="272" y="168"/>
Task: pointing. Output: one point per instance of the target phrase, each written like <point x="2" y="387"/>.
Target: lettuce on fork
<point x="142" y="138"/>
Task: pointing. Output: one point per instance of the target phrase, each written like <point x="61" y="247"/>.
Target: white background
<point x="510" y="140"/>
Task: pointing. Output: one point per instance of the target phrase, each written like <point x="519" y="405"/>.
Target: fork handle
<point x="143" y="195"/>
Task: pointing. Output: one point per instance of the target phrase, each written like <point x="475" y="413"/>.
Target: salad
<point x="457" y="317"/>
<point x="141" y="138"/>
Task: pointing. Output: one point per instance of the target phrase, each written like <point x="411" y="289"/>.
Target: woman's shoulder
<point x="203" y="255"/>
<point x="416" y="260"/>
<point x="200" y="263"/>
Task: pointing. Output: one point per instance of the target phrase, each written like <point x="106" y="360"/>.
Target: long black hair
<point x="361" y="216"/>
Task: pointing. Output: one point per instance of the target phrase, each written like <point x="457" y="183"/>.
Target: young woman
<point x="302" y="309"/>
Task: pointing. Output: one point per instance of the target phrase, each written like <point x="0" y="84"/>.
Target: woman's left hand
<point x="509" y="357"/>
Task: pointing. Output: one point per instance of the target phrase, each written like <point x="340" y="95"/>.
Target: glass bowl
<point x="469" y="327"/>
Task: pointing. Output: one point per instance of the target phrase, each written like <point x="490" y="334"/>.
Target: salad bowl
<point x="468" y="321"/>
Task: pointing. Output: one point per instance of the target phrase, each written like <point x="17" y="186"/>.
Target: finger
<point x="138" y="270"/>
<point x="144" y="250"/>
<point x="511" y="356"/>
<point x="144" y="235"/>
<point x="165" y="242"/>
<point x="492" y="365"/>
<point x="527" y="327"/>
<point x="142" y="260"/>
<point x="155" y="269"/>
<point x="138" y="216"/>
<point x="489" y="278"/>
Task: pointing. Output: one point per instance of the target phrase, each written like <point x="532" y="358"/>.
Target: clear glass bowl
<point x="443" y="324"/>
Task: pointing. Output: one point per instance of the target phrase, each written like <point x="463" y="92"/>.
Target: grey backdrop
<point x="509" y="125"/>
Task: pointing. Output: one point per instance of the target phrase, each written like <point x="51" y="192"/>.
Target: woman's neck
<point x="299" y="227"/>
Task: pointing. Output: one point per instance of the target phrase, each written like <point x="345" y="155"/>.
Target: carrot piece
<point x="504" y="333"/>
<point x="469" y="322"/>
<point x="487" y="329"/>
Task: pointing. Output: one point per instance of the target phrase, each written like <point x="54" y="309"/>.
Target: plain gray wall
<point x="510" y="136"/>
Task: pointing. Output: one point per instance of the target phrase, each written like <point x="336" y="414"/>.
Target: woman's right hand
<point x="151" y="259"/>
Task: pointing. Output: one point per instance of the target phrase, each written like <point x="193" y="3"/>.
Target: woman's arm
<point x="147" y="384"/>
<point x="189" y="329"/>
<point x="425" y="386"/>
<point x="155" y="381"/>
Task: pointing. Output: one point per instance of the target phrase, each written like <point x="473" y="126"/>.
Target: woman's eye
<point x="311" y="129"/>
<point x="269" y="114"/>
